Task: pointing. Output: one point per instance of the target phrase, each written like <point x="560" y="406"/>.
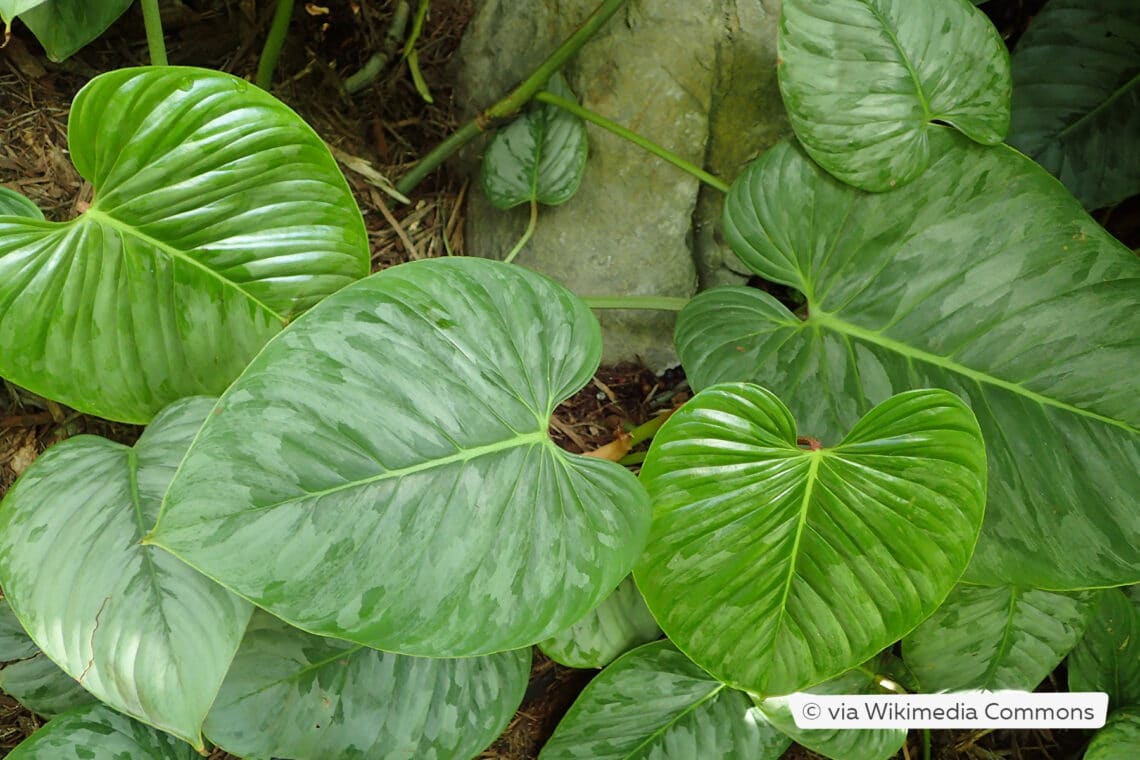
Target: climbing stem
<point x="526" y="234"/>
<point x="154" y="40"/>
<point x="282" y="15"/>
<point x="642" y="142"/>
<point x="649" y="303"/>
<point x="510" y="105"/>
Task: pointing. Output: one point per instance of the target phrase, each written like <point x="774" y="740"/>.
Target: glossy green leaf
<point x="292" y="695"/>
<point x="776" y="568"/>
<point x="840" y="744"/>
<point x="15" y="204"/>
<point x="382" y="472"/>
<point x="65" y="26"/>
<point x="218" y="217"/>
<point x="140" y="630"/>
<point x="984" y="277"/>
<point x="96" y="732"/>
<point x="620" y="623"/>
<point x="864" y="82"/>
<point x="1108" y="657"/>
<point x="996" y="638"/>
<point x="540" y="156"/>
<point x="1076" y="96"/>
<point x="653" y="703"/>
<point x="9" y="9"/>
<point x="29" y="677"/>
<point x="1119" y="739"/>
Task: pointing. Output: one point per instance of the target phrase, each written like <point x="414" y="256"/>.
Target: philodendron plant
<point x="346" y="523"/>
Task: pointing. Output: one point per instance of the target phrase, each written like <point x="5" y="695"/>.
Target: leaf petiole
<point x="154" y="39"/>
<point x="526" y="233"/>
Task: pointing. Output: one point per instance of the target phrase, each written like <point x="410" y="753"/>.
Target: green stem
<point x="154" y="40"/>
<point x="514" y="101"/>
<point x="646" y="430"/>
<point x="282" y="15"/>
<point x="926" y="744"/>
<point x="638" y="140"/>
<point x="526" y="234"/>
<point x="650" y="303"/>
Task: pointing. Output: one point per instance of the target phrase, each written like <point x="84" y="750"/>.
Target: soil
<point x="384" y="128"/>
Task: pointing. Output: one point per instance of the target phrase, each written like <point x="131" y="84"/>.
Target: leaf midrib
<point x="927" y="116"/>
<point x="717" y="689"/>
<point x="1133" y="82"/>
<point x="826" y="320"/>
<point x="95" y="215"/>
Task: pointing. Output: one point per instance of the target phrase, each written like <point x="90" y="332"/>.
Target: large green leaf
<point x="840" y="744"/>
<point x="1108" y="657"/>
<point x="14" y="204"/>
<point x="539" y="157"/>
<point x="996" y="638"/>
<point x="653" y="703"/>
<point x="382" y="471"/>
<point x="290" y="694"/>
<point x="31" y="678"/>
<point x="776" y="568"/>
<point x="1119" y="739"/>
<point x="65" y="26"/>
<point x="1076" y="96"/>
<point x="864" y="81"/>
<point x="620" y="623"/>
<point x="984" y="277"/>
<point x="140" y="630"/>
<point x="218" y="217"/>
<point x="96" y="732"/>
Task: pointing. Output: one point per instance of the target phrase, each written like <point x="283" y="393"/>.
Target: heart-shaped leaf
<point x="1076" y="96"/>
<point x="382" y="472"/>
<point x="1108" y="657"/>
<point x="14" y="204"/>
<point x="1120" y="737"/>
<point x="539" y="157"/>
<point x="65" y="26"/>
<point x="654" y="703"/>
<point x="983" y="277"/>
<point x="864" y="81"/>
<point x="620" y="623"/>
<point x="31" y="678"/>
<point x="218" y="217"/>
<point x="95" y="732"/>
<point x="776" y="568"/>
<point x="141" y="631"/>
<point x="996" y="638"/>
<point x="291" y="695"/>
<point x="835" y="743"/>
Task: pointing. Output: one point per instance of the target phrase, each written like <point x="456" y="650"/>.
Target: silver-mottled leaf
<point x="96" y="732"/>
<point x="1108" y="657"/>
<point x="620" y="623"/>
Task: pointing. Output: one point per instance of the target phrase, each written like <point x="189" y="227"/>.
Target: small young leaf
<point x="540" y="156"/>
<point x="653" y="702"/>
<point x="290" y="694"/>
<point x="1108" y="657"/>
<point x="620" y="623"/>
<point x="776" y="568"/>
<point x="1076" y="96"/>
<point x="383" y="473"/>
<point x="1120" y="737"/>
<point x="95" y="732"/>
<point x="864" y="80"/>
<point x="15" y="204"/>
<point x="996" y="638"/>
<point x="141" y="631"/>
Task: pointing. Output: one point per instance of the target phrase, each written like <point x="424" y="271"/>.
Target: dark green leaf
<point x="96" y="732"/>
<point x="865" y="80"/>
<point x="1076" y="96"/>
<point x="218" y="217"/>
<point x="983" y="277"/>
<point x="64" y="26"/>
<point x="141" y="631"/>
<point x="14" y="204"/>
<point x="620" y="623"/>
<point x="996" y="638"/>
<point x="540" y="156"/>
<point x="1108" y="657"/>
<point x="776" y="568"/>
<point x="654" y="704"/>
<point x="382" y="471"/>
<point x="290" y="694"/>
<point x="1119" y="739"/>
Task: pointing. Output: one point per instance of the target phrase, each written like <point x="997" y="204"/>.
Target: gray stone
<point x="696" y="76"/>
